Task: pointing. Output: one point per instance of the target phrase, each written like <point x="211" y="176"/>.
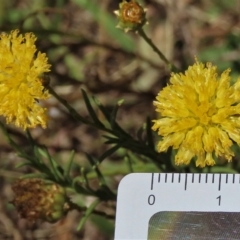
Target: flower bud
<point x="39" y="199"/>
<point x="131" y="15"/>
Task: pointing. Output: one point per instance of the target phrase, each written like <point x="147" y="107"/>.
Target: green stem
<point x="155" y="49"/>
<point x="88" y="211"/>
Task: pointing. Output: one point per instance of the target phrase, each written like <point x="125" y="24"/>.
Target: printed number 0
<point x="151" y="199"/>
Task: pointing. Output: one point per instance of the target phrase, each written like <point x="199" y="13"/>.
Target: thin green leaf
<point x="105" y="193"/>
<point x="129" y="164"/>
<point x="91" y="110"/>
<point x="109" y="152"/>
<point x="9" y="139"/>
<point x="78" y="188"/>
<point x="114" y="112"/>
<point x="22" y="164"/>
<point x="30" y="138"/>
<point x="104" y="225"/>
<point x="103" y="109"/>
<point x="114" y="125"/>
<point x="71" y="110"/>
<point x="41" y="151"/>
<point x="69" y="165"/>
<point x="112" y="141"/>
<point x="90" y="159"/>
<point x="108" y="137"/>
<point x="57" y="171"/>
<point x="95" y="168"/>
<point x="87" y="214"/>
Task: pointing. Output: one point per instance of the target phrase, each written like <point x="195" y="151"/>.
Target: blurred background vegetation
<point x="87" y="51"/>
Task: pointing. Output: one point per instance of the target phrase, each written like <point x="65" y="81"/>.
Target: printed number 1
<point x="219" y="200"/>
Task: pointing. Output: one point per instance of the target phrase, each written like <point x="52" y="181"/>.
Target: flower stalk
<point x="149" y="41"/>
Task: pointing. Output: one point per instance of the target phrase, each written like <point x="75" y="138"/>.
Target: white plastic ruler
<point x="141" y="196"/>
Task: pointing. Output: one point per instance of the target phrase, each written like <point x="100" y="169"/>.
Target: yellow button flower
<point x="20" y="83"/>
<point x="199" y="115"/>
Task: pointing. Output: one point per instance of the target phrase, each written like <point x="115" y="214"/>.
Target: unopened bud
<point x="39" y="199"/>
<point x="131" y="15"/>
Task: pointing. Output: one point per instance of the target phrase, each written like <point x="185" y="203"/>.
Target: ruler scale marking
<point x="185" y="185"/>
<point x="201" y="193"/>
<point x="152" y="181"/>
<point x="219" y="182"/>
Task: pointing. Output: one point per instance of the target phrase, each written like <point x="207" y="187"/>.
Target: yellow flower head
<point x="20" y="81"/>
<point x="199" y="115"/>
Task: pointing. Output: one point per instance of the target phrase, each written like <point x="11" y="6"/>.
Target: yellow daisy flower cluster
<point x="199" y="115"/>
<point x="20" y="81"/>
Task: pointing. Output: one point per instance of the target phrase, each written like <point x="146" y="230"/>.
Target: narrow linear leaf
<point x="80" y="189"/>
<point x="57" y="171"/>
<point x="115" y="111"/>
<point x="69" y="165"/>
<point x="114" y="125"/>
<point x="30" y="139"/>
<point x="112" y="141"/>
<point x="129" y="164"/>
<point x="9" y="139"/>
<point x="41" y="151"/>
<point x="109" y="152"/>
<point x="103" y="224"/>
<point x="91" y="110"/>
<point x="86" y="182"/>
<point x="22" y="164"/>
<point x="95" y="168"/>
<point x="105" y="193"/>
<point x="71" y="110"/>
<point x="103" y="110"/>
<point x="90" y="159"/>
<point x="108" y="137"/>
<point x="88" y="212"/>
